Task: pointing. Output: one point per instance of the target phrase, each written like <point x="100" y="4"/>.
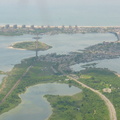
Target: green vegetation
<point x="103" y="78"/>
<point x="45" y="30"/>
<point x="31" y="46"/>
<point x="82" y="106"/>
<point x="1" y="72"/>
<point x="8" y="83"/>
<point x="10" y="33"/>
<point x="40" y="72"/>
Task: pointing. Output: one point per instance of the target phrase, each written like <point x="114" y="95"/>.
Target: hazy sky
<point x="58" y="2"/>
<point x="67" y="4"/>
<point x="59" y="11"/>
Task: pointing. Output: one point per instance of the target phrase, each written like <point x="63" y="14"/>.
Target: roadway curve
<point x="103" y="97"/>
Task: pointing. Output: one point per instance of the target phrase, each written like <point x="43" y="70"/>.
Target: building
<point x="15" y="26"/>
<point x="70" y="27"/>
<point x="7" y="26"/>
<point x="48" y="26"/>
<point x="32" y="26"/>
<point x="23" y="26"/>
<point x="76" y="27"/>
<point x="42" y="26"/>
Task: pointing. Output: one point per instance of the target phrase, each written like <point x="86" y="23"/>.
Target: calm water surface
<point x="61" y="44"/>
<point x="34" y="106"/>
<point x="111" y="64"/>
<point x="33" y="103"/>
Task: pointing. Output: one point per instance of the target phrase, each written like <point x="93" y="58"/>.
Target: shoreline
<point x="59" y="26"/>
<point x="39" y="49"/>
<point x="10" y="47"/>
<point x="18" y="49"/>
<point x="42" y="97"/>
<point x="117" y="74"/>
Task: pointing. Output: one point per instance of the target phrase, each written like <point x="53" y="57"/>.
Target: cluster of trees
<point x="82" y="106"/>
<point x="39" y="73"/>
<point x="33" y="30"/>
<point x="1" y="72"/>
<point x="31" y="46"/>
<point x="11" y="78"/>
<point x="104" y="78"/>
<point x="11" y="33"/>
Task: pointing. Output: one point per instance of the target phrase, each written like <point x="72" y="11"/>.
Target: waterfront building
<point x="76" y="27"/>
<point x="7" y="26"/>
<point x="32" y="27"/>
<point x="63" y="27"/>
<point x="23" y="26"/>
<point x="70" y="27"/>
<point x="14" y="26"/>
<point x="48" y="26"/>
<point x="42" y="26"/>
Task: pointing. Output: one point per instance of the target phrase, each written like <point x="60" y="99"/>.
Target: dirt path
<point x="15" y="85"/>
<point x="106" y="100"/>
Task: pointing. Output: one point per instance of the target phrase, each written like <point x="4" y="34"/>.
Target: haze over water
<point x="61" y="12"/>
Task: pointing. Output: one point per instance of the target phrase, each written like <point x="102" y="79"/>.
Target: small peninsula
<point x="31" y="45"/>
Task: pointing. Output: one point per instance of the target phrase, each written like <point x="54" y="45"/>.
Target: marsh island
<point x="31" y="45"/>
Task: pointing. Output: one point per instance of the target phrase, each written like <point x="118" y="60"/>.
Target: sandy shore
<point x="10" y="47"/>
<point x="118" y="74"/>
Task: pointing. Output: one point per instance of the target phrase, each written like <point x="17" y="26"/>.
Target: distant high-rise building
<point x="42" y="26"/>
<point x="63" y="27"/>
<point x="23" y="26"/>
<point x="56" y="27"/>
<point x="32" y="27"/>
<point x="70" y="27"/>
<point x="7" y="26"/>
<point x="14" y="26"/>
<point x="48" y="26"/>
<point x="76" y="27"/>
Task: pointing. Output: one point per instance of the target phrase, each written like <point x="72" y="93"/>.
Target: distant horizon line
<point x="51" y="26"/>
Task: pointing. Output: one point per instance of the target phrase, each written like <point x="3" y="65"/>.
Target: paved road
<point x="106" y="100"/>
<point x="15" y="85"/>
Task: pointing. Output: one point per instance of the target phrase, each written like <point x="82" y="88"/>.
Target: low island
<point x="31" y="45"/>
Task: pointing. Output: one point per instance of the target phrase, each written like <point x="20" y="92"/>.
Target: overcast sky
<point x="60" y="11"/>
<point x="73" y="4"/>
<point x="58" y="2"/>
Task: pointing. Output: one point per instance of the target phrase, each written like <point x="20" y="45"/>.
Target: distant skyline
<point x="59" y="12"/>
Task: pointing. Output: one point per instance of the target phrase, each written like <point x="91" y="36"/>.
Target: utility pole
<point x="36" y="44"/>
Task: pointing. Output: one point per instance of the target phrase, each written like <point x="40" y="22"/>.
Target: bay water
<point x="33" y="104"/>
